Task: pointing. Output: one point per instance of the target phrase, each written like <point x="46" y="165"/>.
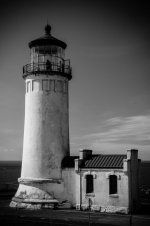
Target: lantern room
<point x="47" y="56"/>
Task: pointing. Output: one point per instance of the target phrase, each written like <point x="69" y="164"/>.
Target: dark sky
<point x="109" y="47"/>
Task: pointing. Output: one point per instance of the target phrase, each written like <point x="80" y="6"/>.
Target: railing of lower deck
<point x="47" y="68"/>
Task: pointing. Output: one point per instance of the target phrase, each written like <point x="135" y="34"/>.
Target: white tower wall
<point x="46" y="130"/>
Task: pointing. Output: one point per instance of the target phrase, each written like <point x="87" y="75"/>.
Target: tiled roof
<point x="105" y="161"/>
<point x="96" y="161"/>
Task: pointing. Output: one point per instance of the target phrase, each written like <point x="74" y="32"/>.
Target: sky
<point x="108" y="43"/>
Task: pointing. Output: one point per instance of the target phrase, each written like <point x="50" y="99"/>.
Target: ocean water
<point x="10" y="171"/>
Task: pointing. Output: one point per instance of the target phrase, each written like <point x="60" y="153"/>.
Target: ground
<point x="46" y="217"/>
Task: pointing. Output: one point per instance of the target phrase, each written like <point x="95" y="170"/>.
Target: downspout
<point x="130" y="186"/>
<point x="129" y="172"/>
<point x="80" y="190"/>
<point x="131" y="203"/>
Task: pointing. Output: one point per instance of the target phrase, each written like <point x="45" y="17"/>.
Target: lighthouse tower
<point x="46" y="125"/>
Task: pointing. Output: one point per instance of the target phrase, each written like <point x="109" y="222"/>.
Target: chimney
<point x="132" y="154"/>
<point x="85" y="154"/>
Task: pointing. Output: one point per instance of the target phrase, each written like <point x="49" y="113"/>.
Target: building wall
<point x="100" y="198"/>
<point x="75" y="190"/>
<point x="71" y="185"/>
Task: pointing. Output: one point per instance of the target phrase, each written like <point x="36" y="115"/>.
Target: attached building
<point x="104" y="183"/>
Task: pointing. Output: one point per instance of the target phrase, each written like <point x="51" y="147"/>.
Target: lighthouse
<point x="46" y="124"/>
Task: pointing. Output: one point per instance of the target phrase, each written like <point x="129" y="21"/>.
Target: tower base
<point x="31" y="194"/>
<point x="33" y="205"/>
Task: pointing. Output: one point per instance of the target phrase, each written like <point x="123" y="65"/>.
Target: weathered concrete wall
<point x="71" y="185"/>
<point x="46" y="142"/>
<point x="46" y="130"/>
<point x="101" y="199"/>
<point x="65" y="191"/>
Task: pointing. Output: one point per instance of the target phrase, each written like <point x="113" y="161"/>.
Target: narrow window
<point x="112" y="184"/>
<point x="36" y="85"/>
<point x="41" y="58"/>
<point x="51" y="85"/>
<point x="28" y="87"/>
<point x="65" y="87"/>
<point x="59" y="86"/>
<point x="54" y="50"/>
<point x="45" y="85"/>
<point x="89" y="184"/>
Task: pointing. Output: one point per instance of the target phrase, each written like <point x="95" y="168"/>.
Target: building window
<point x="89" y="184"/>
<point x="112" y="184"/>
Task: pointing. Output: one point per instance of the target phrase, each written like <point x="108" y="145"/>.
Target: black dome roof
<point x="47" y="39"/>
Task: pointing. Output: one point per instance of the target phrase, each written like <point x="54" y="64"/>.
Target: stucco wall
<point x="101" y="197"/>
<point x="71" y="185"/>
<point x="46" y="130"/>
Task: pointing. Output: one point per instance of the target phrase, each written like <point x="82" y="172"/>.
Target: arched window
<point x="89" y="184"/>
<point x="112" y="184"/>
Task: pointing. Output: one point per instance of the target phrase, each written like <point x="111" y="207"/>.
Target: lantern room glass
<point x="41" y="54"/>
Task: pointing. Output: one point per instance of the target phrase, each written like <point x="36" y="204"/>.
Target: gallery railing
<point x="48" y="68"/>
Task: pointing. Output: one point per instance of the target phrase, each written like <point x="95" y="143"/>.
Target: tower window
<point x="36" y="85"/>
<point x="45" y="85"/>
<point x="112" y="184"/>
<point x="54" y="50"/>
<point x="59" y="86"/>
<point x="28" y="87"/>
<point x="51" y="85"/>
<point x="89" y="184"/>
<point x="65" y="87"/>
<point x="40" y="58"/>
